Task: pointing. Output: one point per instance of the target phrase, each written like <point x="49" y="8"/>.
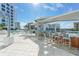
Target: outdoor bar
<point x="64" y="38"/>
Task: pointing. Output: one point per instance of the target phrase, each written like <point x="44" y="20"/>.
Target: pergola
<point x="70" y="16"/>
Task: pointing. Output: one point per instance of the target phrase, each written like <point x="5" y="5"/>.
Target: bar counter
<point x="75" y="41"/>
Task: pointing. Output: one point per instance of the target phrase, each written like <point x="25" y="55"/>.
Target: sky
<point x="27" y="12"/>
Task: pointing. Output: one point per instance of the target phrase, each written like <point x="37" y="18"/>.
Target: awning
<point x="71" y="16"/>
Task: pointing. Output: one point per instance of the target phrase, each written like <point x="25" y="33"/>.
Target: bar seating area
<point x="65" y="40"/>
<point x="60" y="36"/>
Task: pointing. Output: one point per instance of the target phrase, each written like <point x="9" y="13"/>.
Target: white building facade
<point x="8" y="10"/>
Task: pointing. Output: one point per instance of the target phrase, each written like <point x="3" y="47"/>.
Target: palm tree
<point x="1" y="26"/>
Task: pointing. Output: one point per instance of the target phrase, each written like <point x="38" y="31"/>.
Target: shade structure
<point x="70" y="16"/>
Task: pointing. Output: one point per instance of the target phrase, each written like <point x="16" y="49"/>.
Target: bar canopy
<point x="71" y="16"/>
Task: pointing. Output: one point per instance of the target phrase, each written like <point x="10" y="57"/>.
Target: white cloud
<point x="53" y="7"/>
<point x="59" y="5"/>
<point x="45" y="6"/>
<point x="49" y="7"/>
<point x="70" y="9"/>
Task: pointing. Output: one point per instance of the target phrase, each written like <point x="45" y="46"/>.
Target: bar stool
<point x="61" y="39"/>
<point x="67" y="42"/>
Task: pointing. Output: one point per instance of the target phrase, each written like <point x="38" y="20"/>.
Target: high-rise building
<point x="76" y="25"/>
<point x="17" y="25"/>
<point x="8" y="10"/>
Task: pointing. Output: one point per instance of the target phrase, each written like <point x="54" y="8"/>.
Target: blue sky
<point x="27" y="12"/>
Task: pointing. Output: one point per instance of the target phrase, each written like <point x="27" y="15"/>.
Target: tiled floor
<point x="46" y="49"/>
<point x="31" y="46"/>
<point x="21" y="48"/>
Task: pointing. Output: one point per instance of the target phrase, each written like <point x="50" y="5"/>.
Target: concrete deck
<point x="30" y="46"/>
<point x="21" y="47"/>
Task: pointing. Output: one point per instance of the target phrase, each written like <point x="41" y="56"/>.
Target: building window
<point x="7" y="11"/>
<point x="7" y="4"/>
<point x="3" y="20"/>
<point x="11" y="10"/>
<point x="11" y="24"/>
<point x="11" y="6"/>
<point x="3" y="5"/>
<point x="11" y="21"/>
<point x="11" y="28"/>
<point x="11" y="15"/>
<point x="3" y="9"/>
<point x="11" y="18"/>
<point x="8" y="8"/>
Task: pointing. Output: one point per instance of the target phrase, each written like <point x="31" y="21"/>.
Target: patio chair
<point x="67" y="42"/>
